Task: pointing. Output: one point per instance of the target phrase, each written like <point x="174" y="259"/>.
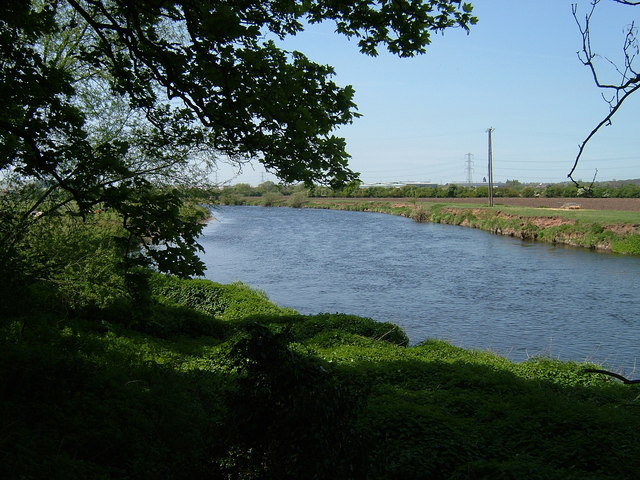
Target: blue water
<point x="467" y="286"/>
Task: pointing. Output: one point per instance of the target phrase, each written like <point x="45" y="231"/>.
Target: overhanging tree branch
<point x="191" y="74"/>
<point x="605" y="121"/>
<point x="611" y="374"/>
<point x="629" y="78"/>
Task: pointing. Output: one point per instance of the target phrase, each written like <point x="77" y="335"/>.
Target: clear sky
<point x="517" y="71"/>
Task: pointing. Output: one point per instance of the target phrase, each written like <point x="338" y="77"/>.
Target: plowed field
<point x="626" y="204"/>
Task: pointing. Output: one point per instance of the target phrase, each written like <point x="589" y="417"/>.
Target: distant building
<point x="477" y="184"/>
<point x="398" y="184"/>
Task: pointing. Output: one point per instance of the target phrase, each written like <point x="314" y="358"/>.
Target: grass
<point x="597" y="216"/>
<point x="593" y="216"/>
<point x="215" y="381"/>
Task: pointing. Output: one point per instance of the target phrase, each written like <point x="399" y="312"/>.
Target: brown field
<point x="624" y="204"/>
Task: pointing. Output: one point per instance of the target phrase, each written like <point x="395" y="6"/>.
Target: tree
<point x="618" y="82"/>
<point x="101" y="98"/>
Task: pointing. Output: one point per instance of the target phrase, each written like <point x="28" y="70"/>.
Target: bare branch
<point x="605" y="121"/>
<point x="629" y="78"/>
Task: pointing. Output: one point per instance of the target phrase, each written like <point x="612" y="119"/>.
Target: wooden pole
<point x="490" y="159"/>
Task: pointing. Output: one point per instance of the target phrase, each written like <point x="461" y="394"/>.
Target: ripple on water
<point x="472" y="288"/>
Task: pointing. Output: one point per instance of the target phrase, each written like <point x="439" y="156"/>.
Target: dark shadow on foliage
<point x="91" y="399"/>
<point x="291" y="414"/>
<point x="76" y="407"/>
<point x="305" y="327"/>
<point x="458" y="420"/>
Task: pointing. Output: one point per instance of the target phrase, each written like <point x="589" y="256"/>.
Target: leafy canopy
<point x="103" y="100"/>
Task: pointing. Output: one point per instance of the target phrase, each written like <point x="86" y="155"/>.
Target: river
<point x="472" y="288"/>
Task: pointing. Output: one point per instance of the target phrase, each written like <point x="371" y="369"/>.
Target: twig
<point x="611" y="374"/>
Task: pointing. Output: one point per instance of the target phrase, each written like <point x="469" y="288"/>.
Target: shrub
<point x="297" y="200"/>
<point x="191" y="212"/>
<point x="200" y="295"/>
<point x="290" y="416"/>
<point x="166" y="321"/>
<point x="270" y="199"/>
<point x="68" y="264"/>
<point x="351" y="324"/>
<point x="409" y="436"/>
<point x="420" y="214"/>
<point x="88" y="404"/>
<point x="227" y="302"/>
<point x="231" y="199"/>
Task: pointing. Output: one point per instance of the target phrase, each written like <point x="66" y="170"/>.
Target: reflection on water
<point x="472" y="288"/>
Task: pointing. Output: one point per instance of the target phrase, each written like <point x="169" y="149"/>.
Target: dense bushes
<point x="228" y="302"/>
<point x="291" y="414"/>
<point x="214" y="381"/>
<point x="319" y="327"/>
<point x="65" y="262"/>
<point x="90" y="404"/>
<point x="71" y="261"/>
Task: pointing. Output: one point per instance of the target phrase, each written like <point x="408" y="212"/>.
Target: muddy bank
<point x="548" y="229"/>
<point x="608" y="237"/>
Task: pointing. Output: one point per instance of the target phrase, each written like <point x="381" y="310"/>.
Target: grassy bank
<point x="604" y="230"/>
<point x="214" y="381"/>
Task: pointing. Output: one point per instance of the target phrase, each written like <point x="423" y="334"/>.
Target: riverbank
<point x="616" y="231"/>
<point x="214" y="381"/>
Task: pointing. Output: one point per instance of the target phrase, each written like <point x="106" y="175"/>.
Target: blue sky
<point x="517" y="71"/>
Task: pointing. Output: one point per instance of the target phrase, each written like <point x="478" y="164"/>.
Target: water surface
<point x="467" y="286"/>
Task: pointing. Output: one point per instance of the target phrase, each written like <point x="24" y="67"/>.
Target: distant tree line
<point x="512" y="188"/>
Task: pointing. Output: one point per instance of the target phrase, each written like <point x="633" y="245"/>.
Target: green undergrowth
<point x="214" y="381"/>
<point x="226" y="302"/>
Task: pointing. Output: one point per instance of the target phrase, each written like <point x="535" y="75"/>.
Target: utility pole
<point x="469" y="163"/>
<point x="490" y="131"/>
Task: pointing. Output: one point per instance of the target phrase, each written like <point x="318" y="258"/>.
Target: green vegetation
<point x="111" y="112"/>
<point x="420" y="214"/>
<point x="618" y="232"/>
<point x="115" y="372"/>
<point x="582" y="215"/>
<point x="297" y="200"/>
<point x="512" y="188"/>
<point x="213" y="381"/>
<point x="113" y="105"/>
